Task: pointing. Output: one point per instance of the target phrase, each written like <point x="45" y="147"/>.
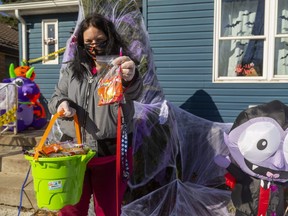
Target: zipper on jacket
<point x="90" y="81"/>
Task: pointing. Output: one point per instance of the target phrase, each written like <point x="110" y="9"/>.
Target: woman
<point x="76" y="92"/>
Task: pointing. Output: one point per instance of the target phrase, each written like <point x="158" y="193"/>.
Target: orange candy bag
<point x="110" y="88"/>
<point x="52" y="148"/>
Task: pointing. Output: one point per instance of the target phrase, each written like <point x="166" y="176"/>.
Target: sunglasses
<point x="98" y="44"/>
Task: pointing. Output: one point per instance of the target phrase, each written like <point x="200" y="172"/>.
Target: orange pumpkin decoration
<point x="23" y="71"/>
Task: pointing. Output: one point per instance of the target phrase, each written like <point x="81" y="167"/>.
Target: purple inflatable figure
<point x="28" y="90"/>
<point x="258" y="144"/>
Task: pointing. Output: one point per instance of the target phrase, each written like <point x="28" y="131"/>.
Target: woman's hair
<point x="114" y="42"/>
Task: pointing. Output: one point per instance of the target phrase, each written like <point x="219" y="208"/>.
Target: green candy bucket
<point x="58" y="181"/>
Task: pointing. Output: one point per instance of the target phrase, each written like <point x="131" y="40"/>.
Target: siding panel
<point x="184" y="22"/>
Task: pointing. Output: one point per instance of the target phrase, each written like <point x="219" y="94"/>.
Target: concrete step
<point x="9" y="149"/>
<point x="14" y="167"/>
<point x="10" y="187"/>
<point x="14" y="163"/>
<point x="27" y="138"/>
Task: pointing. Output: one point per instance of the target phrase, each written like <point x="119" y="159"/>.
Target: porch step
<point x="14" y="168"/>
<point x="10" y="187"/>
<point x="27" y="138"/>
<point x="15" y="163"/>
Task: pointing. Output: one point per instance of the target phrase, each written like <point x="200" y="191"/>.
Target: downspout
<point x="23" y="33"/>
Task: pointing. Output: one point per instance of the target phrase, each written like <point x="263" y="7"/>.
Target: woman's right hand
<point x="68" y="111"/>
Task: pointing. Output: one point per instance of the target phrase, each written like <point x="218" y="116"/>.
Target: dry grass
<point x="42" y="212"/>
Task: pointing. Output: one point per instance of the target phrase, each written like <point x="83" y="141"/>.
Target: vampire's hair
<point x="274" y="109"/>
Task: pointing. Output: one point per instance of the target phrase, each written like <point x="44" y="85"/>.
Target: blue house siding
<point x="47" y="75"/>
<point x="181" y="36"/>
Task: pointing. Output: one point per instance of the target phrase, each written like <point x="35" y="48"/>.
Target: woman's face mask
<point x="96" y="48"/>
<point x="95" y="41"/>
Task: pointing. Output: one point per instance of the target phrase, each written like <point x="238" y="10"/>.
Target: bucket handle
<point x="48" y="129"/>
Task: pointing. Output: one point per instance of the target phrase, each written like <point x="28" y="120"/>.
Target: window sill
<point x="250" y="79"/>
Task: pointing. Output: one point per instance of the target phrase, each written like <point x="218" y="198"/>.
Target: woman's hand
<point x="127" y="66"/>
<point x="68" y="111"/>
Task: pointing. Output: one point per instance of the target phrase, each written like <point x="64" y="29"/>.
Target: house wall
<point x="181" y="34"/>
<point x="47" y="75"/>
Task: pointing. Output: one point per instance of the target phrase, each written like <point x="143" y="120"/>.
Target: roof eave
<point x="9" y="50"/>
<point x="41" y="7"/>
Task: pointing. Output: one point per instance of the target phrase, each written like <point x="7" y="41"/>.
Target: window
<point x="50" y="41"/>
<point x="251" y="41"/>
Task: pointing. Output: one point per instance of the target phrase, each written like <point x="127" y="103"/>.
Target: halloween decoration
<point x="30" y="111"/>
<point x="258" y="144"/>
<point x="22" y="70"/>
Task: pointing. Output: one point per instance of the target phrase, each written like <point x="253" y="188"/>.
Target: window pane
<point x="240" y="58"/>
<point x="281" y="43"/>
<point x="51" y="36"/>
<point x="51" y="49"/>
<point x="282" y="22"/>
<point x="281" y="56"/>
<point x="51" y="31"/>
<point x="238" y="17"/>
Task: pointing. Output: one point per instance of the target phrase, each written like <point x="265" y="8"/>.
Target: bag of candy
<point x="110" y="88"/>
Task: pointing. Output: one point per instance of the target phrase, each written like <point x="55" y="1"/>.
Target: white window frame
<point x="270" y="34"/>
<point x="45" y="41"/>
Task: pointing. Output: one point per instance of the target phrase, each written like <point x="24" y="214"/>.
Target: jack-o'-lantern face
<point x="22" y="72"/>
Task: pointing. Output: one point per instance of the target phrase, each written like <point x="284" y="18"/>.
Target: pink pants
<point x="100" y="180"/>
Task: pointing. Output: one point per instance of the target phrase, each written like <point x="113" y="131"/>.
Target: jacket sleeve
<point x="133" y="89"/>
<point x="61" y="91"/>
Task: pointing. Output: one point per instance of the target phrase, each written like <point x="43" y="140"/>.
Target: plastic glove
<point x="128" y="67"/>
<point x="222" y="161"/>
<point x="68" y="111"/>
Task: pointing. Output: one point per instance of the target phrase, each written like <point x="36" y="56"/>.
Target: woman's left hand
<point x="127" y="66"/>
